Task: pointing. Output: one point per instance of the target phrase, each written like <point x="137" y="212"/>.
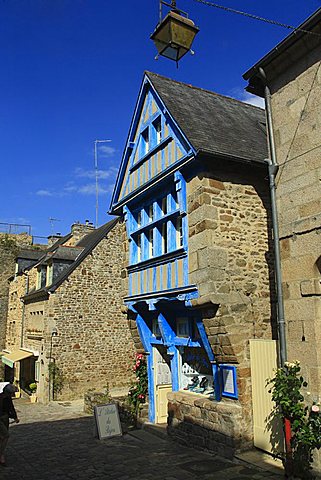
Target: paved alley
<point x="56" y="442"/>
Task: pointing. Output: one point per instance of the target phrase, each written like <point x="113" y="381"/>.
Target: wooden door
<point x="163" y="382"/>
<point x="161" y="402"/>
<point x="267" y="435"/>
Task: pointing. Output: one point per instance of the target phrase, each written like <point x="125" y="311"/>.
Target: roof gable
<point x="194" y="121"/>
<point x="155" y="145"/>
<point x="214" y="124"/>
<point x="83" y="248"/>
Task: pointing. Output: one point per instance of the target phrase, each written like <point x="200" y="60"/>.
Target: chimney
<point x="53" y="239"/>
<point x="79" y="230"/>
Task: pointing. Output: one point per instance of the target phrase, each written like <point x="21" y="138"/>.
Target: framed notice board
<point x="228" y="381"/>
<point x="107" y="420"/>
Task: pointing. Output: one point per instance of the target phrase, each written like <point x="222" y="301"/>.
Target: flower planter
<point x="33" y="398"/>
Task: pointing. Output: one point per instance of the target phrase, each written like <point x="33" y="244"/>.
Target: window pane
<point x="145" y="141"/>
<point x="164" y="238"/>
<point x="151" y="242"/>
<point x="151" y="212"/>
<point x="164" y="206"/>
<point x="158" y="130"/>
<point x="139" y="219"/>
<point x="139" y="248"/>
<point x="179" y="232"/>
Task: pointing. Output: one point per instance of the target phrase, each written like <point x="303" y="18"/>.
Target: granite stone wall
<point x="296" y="120"/>
<point x="94" y="347"/>
<point x="9" y="246"/>
<point x="231" y="263"/>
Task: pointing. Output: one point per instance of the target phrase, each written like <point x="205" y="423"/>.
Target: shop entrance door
<point x="163" y="382"/>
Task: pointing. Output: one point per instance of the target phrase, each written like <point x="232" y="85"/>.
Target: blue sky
<point x="71" y="71"/>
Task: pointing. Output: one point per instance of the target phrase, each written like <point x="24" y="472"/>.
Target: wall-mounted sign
<point x="107" y="421"/>
<point x="228" y="381"/>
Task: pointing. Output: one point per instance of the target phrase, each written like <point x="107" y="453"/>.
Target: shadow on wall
<point x="189" y="432"/>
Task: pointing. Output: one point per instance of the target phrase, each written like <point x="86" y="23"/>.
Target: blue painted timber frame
<point x="146" y="190"/>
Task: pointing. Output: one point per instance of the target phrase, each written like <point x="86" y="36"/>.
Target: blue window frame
<point x="157" y="228"/>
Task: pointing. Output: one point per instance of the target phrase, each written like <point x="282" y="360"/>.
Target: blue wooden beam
<point x="145" y="336"/>
<point x="211" y="356"/>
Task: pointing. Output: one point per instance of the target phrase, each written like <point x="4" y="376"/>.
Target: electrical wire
<point x="256" y="17"/>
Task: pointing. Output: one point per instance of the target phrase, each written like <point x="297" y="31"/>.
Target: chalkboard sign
<point x="107" y="420"/>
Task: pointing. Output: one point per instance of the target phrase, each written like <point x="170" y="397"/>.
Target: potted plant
<point x="33" y="390"/>
<point x="18" y="391"/>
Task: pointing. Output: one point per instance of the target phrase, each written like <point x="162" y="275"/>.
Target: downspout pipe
<point x="272" y="170"/>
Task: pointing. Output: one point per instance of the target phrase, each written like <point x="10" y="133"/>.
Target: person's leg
<point x="4" y="437"/>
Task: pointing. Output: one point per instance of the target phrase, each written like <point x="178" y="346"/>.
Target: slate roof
<point x="86" y="244"/>
<point x="214" y="124"/>
<point x="61" y="253"/>
<point x="30" y="254"/>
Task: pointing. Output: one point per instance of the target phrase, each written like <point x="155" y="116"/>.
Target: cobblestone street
<point x="56" y="442"/>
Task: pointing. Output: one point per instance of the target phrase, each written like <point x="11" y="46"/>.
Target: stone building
<point x="193" y="192"/>
<point x="9" y="246"/>
<point x="70" y="322"/>
<point x="292" y="73"/>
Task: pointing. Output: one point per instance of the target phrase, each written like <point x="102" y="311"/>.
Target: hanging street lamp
<point x="174" y="35"/>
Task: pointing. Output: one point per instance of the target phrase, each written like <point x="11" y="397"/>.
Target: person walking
<point x="7" y="411"/>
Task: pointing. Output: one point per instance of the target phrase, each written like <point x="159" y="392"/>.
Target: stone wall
<point x="94" y="346"/>
<point x="17" y="289"/>
<point x="297" y="120"/>
<point x="230" y="262"/>
<point x="204" y="424"/>
<point x="9" y="246"/>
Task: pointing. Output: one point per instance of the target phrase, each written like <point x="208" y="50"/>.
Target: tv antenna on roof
<point x="51" y="221"/>
<point x="96" y="174"/>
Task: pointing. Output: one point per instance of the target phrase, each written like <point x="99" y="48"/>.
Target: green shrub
<point x="305" y="420"/>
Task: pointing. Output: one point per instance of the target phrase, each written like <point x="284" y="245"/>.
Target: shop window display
<point x="196" y="372"/>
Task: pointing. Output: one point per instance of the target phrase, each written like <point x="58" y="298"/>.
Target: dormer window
<point x="38" y="278"/>
<point x="49" y="274"/>
<point x="41" y="276"/>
